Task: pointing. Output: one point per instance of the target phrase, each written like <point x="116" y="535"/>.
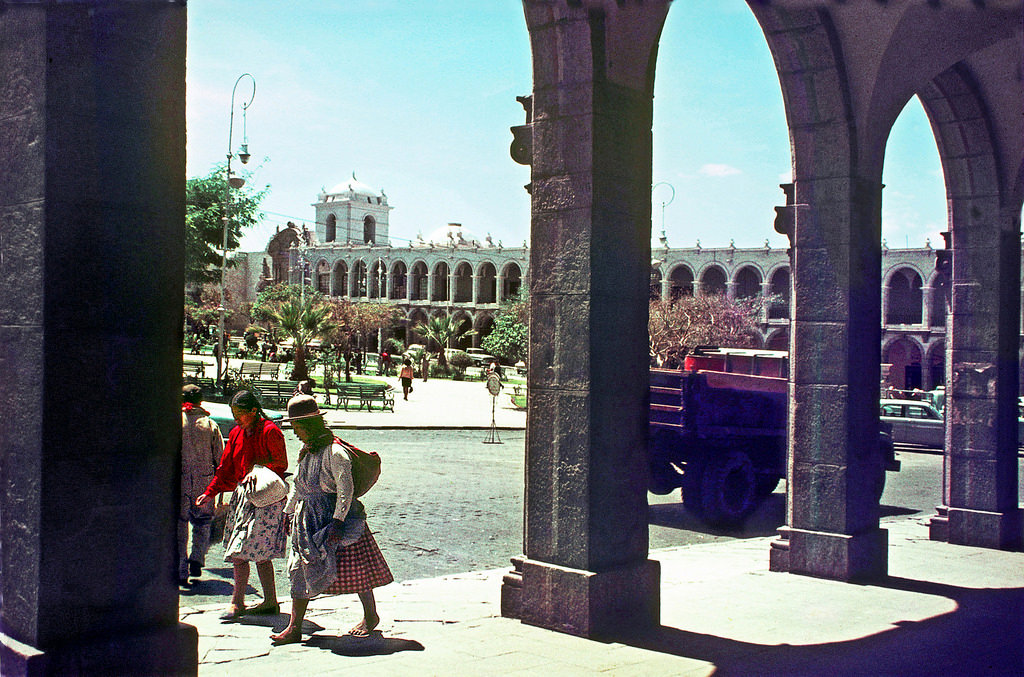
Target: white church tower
<point x="352" y="212"/>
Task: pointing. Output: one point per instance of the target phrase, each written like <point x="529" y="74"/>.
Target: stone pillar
<point x="92" y="127"/>
<point x="766" y="293"/>
<point x="730" y="290"/>
<point x="836" y="471"/>
<point x="586" y="570"/>
<point x="499" y="289"/>
<point x="927" y="293"/>
<point x="666" y="288"/>
<point x="981" y="381"/>
<point x="476" y="290"/>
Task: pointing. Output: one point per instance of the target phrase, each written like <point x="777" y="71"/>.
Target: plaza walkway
<point x="943" y="610"/>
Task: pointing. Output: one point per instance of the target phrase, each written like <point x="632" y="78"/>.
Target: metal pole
<point x="221" y="356"/>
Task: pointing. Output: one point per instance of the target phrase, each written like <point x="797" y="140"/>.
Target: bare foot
<point x="289" y="635"/>
<point x="364" y="627"/>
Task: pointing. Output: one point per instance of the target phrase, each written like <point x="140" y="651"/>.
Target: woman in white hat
<point x="332" y="549"/>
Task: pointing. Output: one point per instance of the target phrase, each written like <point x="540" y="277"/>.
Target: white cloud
<point x="719" y="170"/>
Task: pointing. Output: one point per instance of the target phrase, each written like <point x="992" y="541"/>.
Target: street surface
<point x="448" y="503"/>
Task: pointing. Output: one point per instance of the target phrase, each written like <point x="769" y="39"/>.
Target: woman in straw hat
<point x="252" y="533"/>
<point x="332" y="549"/>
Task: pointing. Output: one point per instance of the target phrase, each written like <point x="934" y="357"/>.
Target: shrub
<point x="460" y="360"/>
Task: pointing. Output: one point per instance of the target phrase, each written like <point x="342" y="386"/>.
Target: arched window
<point x="463" y="284"/>
<point x="398" y="278"/>
<point x="332" y="228"/>
<point x="905" y="301"/>
<point x="682" y="282"/>
<point x="780" y="295"/>
<point x="369" y="229"/>
<point x="323" y="277"/>
<point x="359" y="279"/>
<point x="513" y="281"/>
<point x="440" y="282"/>
<point x="341" y="279"/>
<point x="419" y="281"/>
<point x="488" y="284"/>
<point x="713" y="282"/>
<point x="748" y="283"/>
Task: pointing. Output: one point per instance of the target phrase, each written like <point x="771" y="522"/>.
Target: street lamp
<point x="664" y="238"/>
<point x="235" y="182"/>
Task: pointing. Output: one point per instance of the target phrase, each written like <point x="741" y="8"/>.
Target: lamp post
<point x="229" y="183"/>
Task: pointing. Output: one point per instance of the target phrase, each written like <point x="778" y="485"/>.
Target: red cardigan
<point x="242" y="452"/>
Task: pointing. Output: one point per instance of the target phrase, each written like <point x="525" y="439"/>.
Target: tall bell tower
<point x="352" y="212"/>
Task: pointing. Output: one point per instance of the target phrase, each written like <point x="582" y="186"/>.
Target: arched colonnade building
<point x="113" y="330"/>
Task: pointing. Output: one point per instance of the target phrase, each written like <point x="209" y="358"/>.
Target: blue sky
<point x="417" y="97"/>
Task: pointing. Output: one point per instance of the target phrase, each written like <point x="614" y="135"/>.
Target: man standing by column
<point x="201" y="449"/>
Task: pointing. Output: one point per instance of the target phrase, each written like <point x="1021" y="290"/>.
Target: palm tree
<point x="303" y="320"/>
<point x="441" y="330"/>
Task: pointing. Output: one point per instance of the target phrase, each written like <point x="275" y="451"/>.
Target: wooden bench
<point x="275" y="394"/>
<point x="260" y="370"/>
<point x="196" y="367"/>
<point x="365" y="394"/>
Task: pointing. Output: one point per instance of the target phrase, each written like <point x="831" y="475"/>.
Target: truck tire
<point x="728" y="489"/>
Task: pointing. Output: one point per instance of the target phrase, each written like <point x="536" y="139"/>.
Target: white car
<point x="914" y="422"/>
<point x="480" y="358"/>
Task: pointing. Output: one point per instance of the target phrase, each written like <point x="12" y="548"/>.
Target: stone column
<point x="836" y="472"/>
<point x="927" y="293"/>
<point x="586" y="569"/>
<point x="476" y="290"/>
<point x="981" y="379"/>
<point x="499" y="289"/>
<point x="730" y="290"/>
<point x="666" y="288"/>
<point x="92" y="127"/>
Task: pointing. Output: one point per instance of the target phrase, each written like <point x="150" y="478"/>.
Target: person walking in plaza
<point x="406" y="376"/>
<point x="252" y="533"/>
<point x="332" y="548"/>
<point x="201" y="448"/>
<point x="424" y="363"/>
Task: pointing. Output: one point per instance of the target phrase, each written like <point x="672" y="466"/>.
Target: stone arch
<point x="681" y="280"/>
<point x="777" y="339"/>
<point x="512" y="280"/>
<point x="713" y="280"/>
<point x="904" y="296"/>
<point x="397" y="287"/>
<point x="323" y="277"/>
<point x="463" y="292"/>
<point x="780" y="290"/>
<point x="340" y="286"/>
<point x="934" y="368"/>
<point x="419" y="281"/>
<point x="487" y="281"/>
<point x="747" y="282"/>
<point x="331" y="228"/>
<point x="378" y="279"/>
<point x="369" y="229"/>
<point x="483" y="324"/>
<point x="417" y="316"/>
<point x="360" y="282"/>
<point x="464" y="323"/>
<point x="439" y="277"/>
<point x="905" y="355"/>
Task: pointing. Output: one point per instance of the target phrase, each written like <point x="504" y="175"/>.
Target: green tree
<point x="440" y="330"/>
<point x="509" y="340"/>
<point x="205" y="198"/>
<point x="303" y="319"/>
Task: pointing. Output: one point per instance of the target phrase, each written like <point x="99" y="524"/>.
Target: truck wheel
<point x="692" y="492"/>
<point x="729" y="489"/>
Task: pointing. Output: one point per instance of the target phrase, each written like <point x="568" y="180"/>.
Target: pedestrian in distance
<point x="252" y="533"/>
<point x="332" y="550"/>
<point x="406" y="376"/>
<point x="201" y="449"/>
<point x="424" y="363"/>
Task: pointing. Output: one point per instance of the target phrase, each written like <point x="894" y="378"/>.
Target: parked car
<point x="221" y="415"/>
<point x="480" y="358"/>
<point x="914" y="422"/>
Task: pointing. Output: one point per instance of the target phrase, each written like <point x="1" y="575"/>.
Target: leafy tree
<point x="460" y="360"/>
<point x="440" y="330"/>
<point x="303" y="320"/>
<point x="683" y="323"/>
<point x="509" y="339"/>
<point x="205" y="198"/>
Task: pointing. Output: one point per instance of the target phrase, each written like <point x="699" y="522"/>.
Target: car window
<point x="918" y="412"/>
<point x="891" y="410"/>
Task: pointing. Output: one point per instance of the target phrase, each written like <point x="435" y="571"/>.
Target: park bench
<point x="196" y="367"/>
<point x="260" y="370"/>
<point x="206" y="384"/>
<point x="365" y="394"/>
<point x="275" y="394"/>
